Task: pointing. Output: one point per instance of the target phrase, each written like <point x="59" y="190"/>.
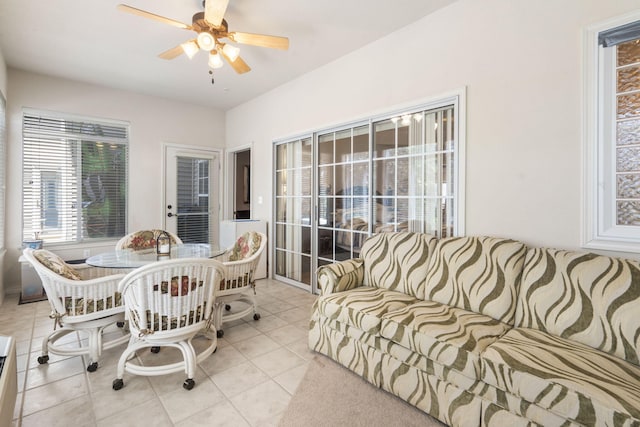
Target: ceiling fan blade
<point x="174" y="52"/>
<point x="262" y="40"/>
<point x="214" y="11"/>
<point x="239" y="65"/>
<point x="145" y="14"/>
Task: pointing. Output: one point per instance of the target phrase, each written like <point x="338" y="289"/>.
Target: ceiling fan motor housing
<point x="199" y="25"/>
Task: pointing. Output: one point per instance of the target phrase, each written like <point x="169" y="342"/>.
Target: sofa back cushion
<point x="592" y="299"/>
<point x="479" y="274"/>
<point x="397" y="261"/>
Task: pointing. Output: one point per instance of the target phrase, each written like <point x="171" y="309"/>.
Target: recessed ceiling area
<point x="94" y="42"/>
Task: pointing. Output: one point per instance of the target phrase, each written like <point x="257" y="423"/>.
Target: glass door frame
<point x="456" y="99"/>
<point x="215" y="185"/>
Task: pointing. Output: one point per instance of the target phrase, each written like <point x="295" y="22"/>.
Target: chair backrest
<point x="67" y="292"/>
<point x="144" y="239"/>
<point x="246" y="245"/>
<point x="241" y="262"/>
<point x="397" y="261"/>
<point x="588" y="298"/>
<point x="171" y="297"/>
<point x="479" y="274"/>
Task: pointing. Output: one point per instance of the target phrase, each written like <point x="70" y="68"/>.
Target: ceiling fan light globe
<point x="190" y="48"/>
<point x="231" y="52"/>
<point x="206" y="41"/>
<point x="215" y="60"/>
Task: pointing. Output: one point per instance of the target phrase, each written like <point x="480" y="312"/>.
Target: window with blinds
<point x="74" y="178"/>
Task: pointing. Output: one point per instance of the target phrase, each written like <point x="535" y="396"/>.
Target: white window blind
<point x="74" y="178"/>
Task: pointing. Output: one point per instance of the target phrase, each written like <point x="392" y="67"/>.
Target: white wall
<point x="153" y="122"/>
<point x="521" y="63"/>
<point x="3" y="76"/>
<point x="3" y="91"/>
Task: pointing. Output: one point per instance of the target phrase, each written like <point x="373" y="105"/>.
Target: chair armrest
<point x="341" y="276"/>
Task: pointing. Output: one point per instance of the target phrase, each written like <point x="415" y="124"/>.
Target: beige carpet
<point x="331" y="395"/>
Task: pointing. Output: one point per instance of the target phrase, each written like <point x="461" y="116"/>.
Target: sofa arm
<point x="340" y="276"/>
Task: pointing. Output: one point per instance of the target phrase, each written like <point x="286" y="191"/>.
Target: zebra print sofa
<point x="485" y="331"/>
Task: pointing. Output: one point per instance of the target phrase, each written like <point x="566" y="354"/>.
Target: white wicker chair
<point x="144" y="239"/>
<point x="168" y="303"/>
<point x="240" y="263"/>
<point x="81" y="301"/>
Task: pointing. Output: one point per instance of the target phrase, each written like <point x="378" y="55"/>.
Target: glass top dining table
<point x="128" y="258"/>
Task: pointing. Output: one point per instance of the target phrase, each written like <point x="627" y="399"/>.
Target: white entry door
<point x="191" y="193"/>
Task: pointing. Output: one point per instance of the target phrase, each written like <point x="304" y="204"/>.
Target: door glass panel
<point x="343" y="146"/>
<point x="193" y="199"/>
<point x="384" y="144"/>
<point x="294" y="177"/>
<point x="361" y="143"/>
<point x="343" y="180"/>
<point x="325" y="149"/>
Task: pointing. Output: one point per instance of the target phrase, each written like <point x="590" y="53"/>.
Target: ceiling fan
<point x="211" y="27"/>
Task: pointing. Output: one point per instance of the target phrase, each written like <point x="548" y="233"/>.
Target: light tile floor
<point x="248" y="381"/>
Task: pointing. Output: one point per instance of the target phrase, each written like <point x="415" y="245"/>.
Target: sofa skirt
<point x="440" y="399"/>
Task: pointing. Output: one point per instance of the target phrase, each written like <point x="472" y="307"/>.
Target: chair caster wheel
<point x="155" y="349"/>
<point x="43" y="359"/>
<point x="188" y="384"/>
<point x="227" y="307"/>
<point x="219" y="333"/>
<point x="92" y="367"/>
<point x="120" y="324"/>
<point x="256" y="316"/>
<point x="117" y="384"/>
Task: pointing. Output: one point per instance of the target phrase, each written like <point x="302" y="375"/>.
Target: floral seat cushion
<point x="449" y="335"/>
<point x="569" y="379"/>
<point x="362" y="307"/>
<point x="56" y="264"/>
<point x="80" y="306"/>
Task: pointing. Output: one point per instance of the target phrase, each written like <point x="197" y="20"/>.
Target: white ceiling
<point x="92" y="41"/>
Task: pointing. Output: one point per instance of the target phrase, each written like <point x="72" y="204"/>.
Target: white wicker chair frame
<point x="168" y="303"/>
<point x="175" y="240"/>
<point x="238" y="285"/>
<point x="79" y="306"/>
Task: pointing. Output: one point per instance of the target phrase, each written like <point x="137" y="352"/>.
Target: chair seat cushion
<point x="80" y="306"/>
<point x="567" y="378"/>
<point x="449" y="335"/>
<point x="362" y="307"/>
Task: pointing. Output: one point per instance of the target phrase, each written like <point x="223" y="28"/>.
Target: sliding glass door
<point x="293" y="213"/>
<point x="399" y="172"/>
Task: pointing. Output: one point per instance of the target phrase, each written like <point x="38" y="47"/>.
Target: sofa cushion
<point x="362" y="307"/>
<point x="449" y="335"/>
<point x="588" y="298"/>
<point x="397" y="261"/>
<point x="479" y="274"/>
<point x="567" y="378"/>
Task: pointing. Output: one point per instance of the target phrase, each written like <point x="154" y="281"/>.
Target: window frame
<point x="599" y="230"/>
<point x="78" y="141"/>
